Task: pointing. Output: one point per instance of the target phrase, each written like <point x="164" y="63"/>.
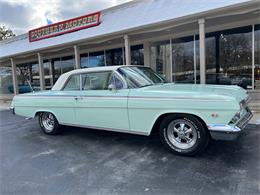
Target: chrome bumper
<point x="228" y="132"/>
<point x="12" y="109"/>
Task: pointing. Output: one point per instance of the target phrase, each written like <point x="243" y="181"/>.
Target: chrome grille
<point x="243" y="121"/>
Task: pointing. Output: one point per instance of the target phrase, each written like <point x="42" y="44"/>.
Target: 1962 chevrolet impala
<point x="134" y="99"/>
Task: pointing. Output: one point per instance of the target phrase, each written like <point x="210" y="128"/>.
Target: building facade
<point x="213" y="42"/>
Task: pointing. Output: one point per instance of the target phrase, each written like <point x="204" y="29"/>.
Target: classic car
<point x="137" y="100"/>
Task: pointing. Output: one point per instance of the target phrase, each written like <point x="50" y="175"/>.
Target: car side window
<point x="73" y="83"/>
<point x="116" y="81"/>
<point x="96" y="80"/>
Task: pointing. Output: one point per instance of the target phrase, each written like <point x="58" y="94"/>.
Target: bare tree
<point x="5" y="33"/>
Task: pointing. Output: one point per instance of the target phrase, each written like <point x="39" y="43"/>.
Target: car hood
<point x="224" y="92"/>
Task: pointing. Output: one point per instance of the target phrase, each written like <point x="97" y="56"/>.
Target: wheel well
<point x="156" y="125"/>
<point x="39" y="112"/>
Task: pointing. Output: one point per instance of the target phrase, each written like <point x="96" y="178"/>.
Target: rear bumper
<point x="228" y="132"/>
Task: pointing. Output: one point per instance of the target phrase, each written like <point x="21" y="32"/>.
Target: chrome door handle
<point x="78" y="98"/>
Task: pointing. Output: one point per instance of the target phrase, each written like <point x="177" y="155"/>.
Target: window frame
<point x="67" y="81"/>
<point x="80" y="79"/>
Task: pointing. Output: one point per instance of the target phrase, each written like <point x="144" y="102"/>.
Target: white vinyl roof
<point x="63" y="78"/>
<point x="122" y="18"/>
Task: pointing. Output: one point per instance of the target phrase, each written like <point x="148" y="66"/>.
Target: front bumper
<point x="12" y="109"/>
<point x="228" y="132"/>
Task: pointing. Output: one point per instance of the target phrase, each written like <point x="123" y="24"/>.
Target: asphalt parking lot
<point x="85" y="161"/>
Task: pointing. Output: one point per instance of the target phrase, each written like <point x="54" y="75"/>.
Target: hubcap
<point x="48" y="121"/>
<point x="182" y="134"/>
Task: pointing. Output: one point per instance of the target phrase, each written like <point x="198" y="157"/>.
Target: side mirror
<point x="111" y="87"/>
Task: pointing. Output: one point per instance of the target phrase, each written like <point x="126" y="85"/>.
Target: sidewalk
<point x="4" y="105"/>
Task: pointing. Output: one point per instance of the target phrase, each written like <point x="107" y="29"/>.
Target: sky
<point x="23" y="15"/>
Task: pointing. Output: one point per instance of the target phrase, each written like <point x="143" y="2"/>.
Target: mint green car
<point x="135" y="99"/>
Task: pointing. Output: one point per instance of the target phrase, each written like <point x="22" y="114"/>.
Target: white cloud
<point x="23" y="15"/>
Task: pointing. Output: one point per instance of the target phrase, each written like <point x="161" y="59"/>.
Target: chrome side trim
<point x="223" y="128"/>
<point x="129" y="97"/>
<point x="107" y="129"/>
<point x="248" y="99"/>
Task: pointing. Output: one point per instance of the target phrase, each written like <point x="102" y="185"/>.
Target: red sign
<point x="66" y="26"/>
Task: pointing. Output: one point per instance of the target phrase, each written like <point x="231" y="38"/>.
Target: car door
<point x="102" y="102"/>
<point x="63" y="105"/>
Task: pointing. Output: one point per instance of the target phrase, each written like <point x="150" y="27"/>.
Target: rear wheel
<point x="184" y="134"/>
<point x="49" y="123"/>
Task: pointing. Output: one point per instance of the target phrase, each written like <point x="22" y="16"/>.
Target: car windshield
<point x="137" y="76"/>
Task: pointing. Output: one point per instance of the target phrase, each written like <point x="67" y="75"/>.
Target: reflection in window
<point x="5" y="80"/>
<point x="232" y="63"/>
<point x="137" y="55"/>
<point x="56" y="63"/>
<point x="96" y="59"/>
<point x="73" y="83"/>
<point x="62" y="65"/>
<point x="160" y="58"/>
<point x="35" y="78"/>
<point x="27" y="74"/>
<point x="96" y="80"/>
<point x="257" y="56"/>
<point x="67" y="64"/>
<point x="114" y="57"/>
<point x="84" y="60"/>
<point x="116" y="81"/>
<point x="47" y="74"/>
<point x="183" y="60"/>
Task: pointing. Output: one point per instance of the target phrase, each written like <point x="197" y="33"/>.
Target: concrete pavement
<point x="85" y="161"/>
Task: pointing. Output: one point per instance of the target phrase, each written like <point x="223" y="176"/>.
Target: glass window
<point x="137" y="55"/>
<point x="35" y="78"/>
<point x="57" y="69"/>
<point x="257" y="56"/>
<point x="47" y="74"/>
<point x="137" y="76"/>
<point x="67" y="64"/>
<point x="114" y="57"/>
<point x="96" y="80"/>
<point x="84" y="60"/>
<point x="73" y="83"/>
<point x="229" y="57"/>
<point x="160" y="58"/>
<point x="96" y="59"/>
<point x="6" y="86"/>
<point x="183" y="60"/>
<point x="116" y="81"/>
<point x="27" y="77"/>
<point x="62" y="65"/>
<point x="211" y="69"/>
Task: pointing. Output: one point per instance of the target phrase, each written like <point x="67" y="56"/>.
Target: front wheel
<point x="49" y="123"/>
<point x="184" y="134"/>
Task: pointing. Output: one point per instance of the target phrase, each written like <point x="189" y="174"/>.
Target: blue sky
<point x="23" y="15"/>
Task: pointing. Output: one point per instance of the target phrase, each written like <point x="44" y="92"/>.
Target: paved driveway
<point x="84" y="161"/>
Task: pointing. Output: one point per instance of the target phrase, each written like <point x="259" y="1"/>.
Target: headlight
<point x="235" y="118"/>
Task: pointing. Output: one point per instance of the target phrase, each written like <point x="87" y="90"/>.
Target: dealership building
<point x="187" y="41"/>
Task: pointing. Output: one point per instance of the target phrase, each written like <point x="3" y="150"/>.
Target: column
<point x="147" y="54"/>
<point x="202" y="51"/>
<point x="77" y="57"/>
<point x="41" y="71"/>
<point x="127" y="50"/>
<point x="14" y="76"/>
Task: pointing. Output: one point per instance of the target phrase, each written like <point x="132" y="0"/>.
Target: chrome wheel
<point x="48" y="121"/>
<point x="182" y="134"/>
